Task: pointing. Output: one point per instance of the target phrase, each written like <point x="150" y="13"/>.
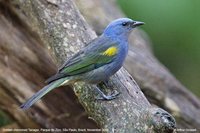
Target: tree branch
<point x="62" y="28"/>
<point x="24" y="66"/>
<point x="157" y="83"/>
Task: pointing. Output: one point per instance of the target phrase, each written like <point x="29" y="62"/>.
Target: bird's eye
<point x="124" y="24"/>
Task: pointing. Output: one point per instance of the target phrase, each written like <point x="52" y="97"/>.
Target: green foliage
<point x="4" y="119"/>
<point x="174" y="27"/>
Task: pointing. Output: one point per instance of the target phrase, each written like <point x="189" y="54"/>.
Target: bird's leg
<point x="104" y="96"/>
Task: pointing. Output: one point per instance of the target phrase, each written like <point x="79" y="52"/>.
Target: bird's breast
<point x="122" y="51"/>
<point x="117" y="63"/>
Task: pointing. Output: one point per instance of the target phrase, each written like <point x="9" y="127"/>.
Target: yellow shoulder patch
<point x="110" y="51"/>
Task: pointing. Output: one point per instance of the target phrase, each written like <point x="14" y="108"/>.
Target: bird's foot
<point x="107" y="97"/>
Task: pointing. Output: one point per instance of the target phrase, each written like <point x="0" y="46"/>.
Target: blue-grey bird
<point x="95" y="63"/>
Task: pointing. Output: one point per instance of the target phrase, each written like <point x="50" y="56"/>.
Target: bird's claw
<point x="109" y="97"/>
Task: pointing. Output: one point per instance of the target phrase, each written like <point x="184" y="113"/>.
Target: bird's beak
<point x="137" y="23"/>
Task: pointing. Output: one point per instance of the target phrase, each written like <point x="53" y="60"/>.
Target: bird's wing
<point x="95" y="55"/>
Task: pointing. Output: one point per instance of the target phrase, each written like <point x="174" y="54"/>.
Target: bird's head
<point x="121" y="27"/>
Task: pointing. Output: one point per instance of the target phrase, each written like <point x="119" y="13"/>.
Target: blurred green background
<point x="174" y="28"/>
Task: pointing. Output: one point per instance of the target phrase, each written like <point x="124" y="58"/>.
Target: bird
<point x="100" y="59"/>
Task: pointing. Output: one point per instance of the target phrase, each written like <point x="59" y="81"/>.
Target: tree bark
<point x="25" y="65"/>
<point x="156" y="82"/>
<point x="63" y="30"/>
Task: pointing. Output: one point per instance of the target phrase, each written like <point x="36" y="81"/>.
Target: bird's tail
<point x="44" y="91"/>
